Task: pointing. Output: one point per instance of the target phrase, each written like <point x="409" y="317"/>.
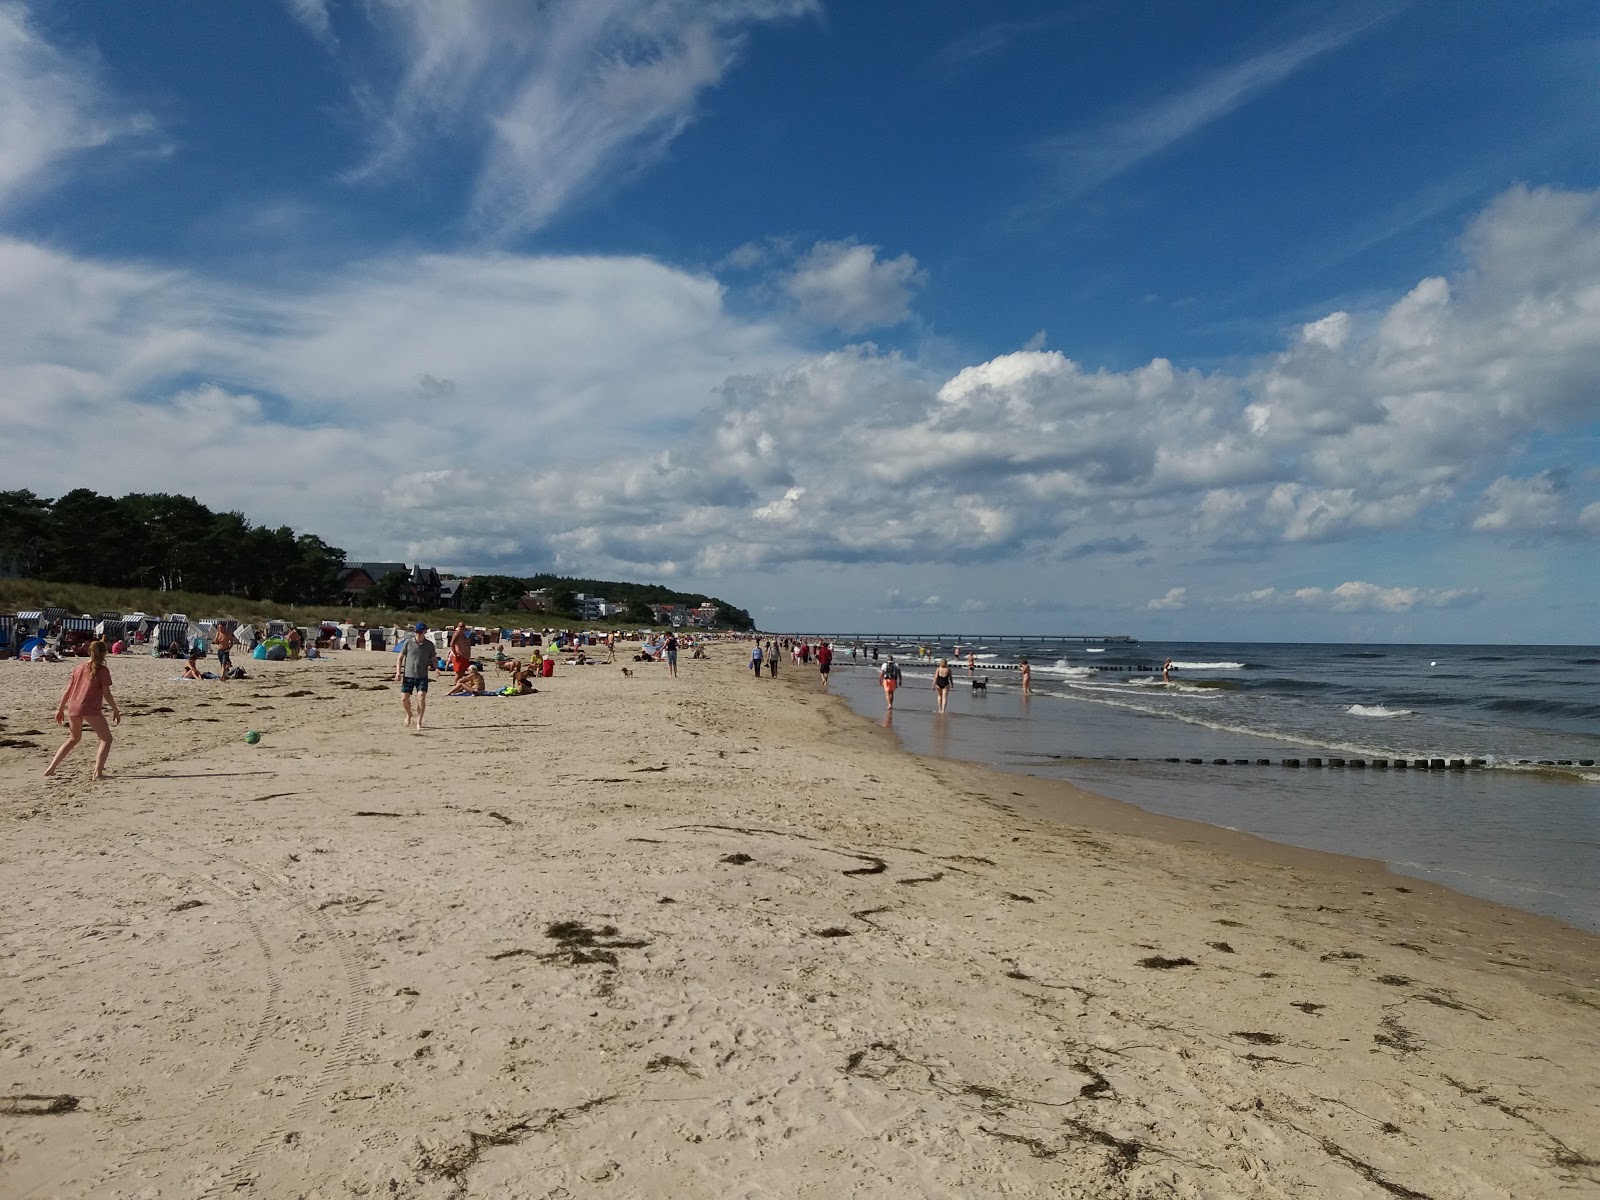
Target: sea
<point x="1517" y="823"/>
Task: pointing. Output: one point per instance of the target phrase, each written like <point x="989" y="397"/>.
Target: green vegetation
<point x="165" y="543"/>
<point x="156" y="552"/>
<point x="500" y="593"/>
<point x="19" y="594"/>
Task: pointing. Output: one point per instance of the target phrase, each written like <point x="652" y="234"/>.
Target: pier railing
<point x="1105" y="639"/>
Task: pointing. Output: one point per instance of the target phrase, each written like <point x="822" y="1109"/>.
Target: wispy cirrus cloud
<point x="313" y="14"/>
<point x="554" y="99"/>
<point x="53" y="105"/>
<point x="1079" y="162"/>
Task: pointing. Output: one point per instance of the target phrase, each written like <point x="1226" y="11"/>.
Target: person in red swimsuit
<point x="83" y="703"/>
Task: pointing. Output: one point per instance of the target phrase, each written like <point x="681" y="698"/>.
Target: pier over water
<point x="1087" y="639"/>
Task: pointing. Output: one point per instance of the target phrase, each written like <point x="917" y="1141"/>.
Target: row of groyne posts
<point x="1356" y="764"/>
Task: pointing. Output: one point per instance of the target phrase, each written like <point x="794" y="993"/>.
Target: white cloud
<point x="974" y="606"/>
<point x="611" y="414"/>
<point x="894" y="598"/>
<point x="1356" y="596"/>
<point x="1175" y="599"/>
<point x="1084" y="161"/>
<point x="848" y="287"/>
<point x="556" y="98"/>
<point x="1532" y="505"/>
<point x="313" y="14"/>
<point x="52" y="106"/>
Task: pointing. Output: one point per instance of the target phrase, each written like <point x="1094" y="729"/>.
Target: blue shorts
<point x="412" y="684"/>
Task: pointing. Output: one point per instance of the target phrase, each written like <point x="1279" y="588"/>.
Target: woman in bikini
<point x="941" y="683"/>
<point x="88" y="691"/>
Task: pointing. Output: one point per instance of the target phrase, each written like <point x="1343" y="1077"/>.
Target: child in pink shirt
<point x="88" y="691"/>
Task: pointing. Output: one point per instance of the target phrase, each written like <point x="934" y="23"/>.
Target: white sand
<point x="251" y="988"/>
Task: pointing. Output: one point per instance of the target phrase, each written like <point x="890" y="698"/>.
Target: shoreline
<point x="709" y="936"/>
<point x="1070" y="806"/>
<point x="1444" y="828"/>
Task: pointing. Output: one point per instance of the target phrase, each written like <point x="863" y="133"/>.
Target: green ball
<point x="252" y="737"/>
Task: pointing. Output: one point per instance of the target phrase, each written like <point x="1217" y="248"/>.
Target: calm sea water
<point x="1522" y="830"/>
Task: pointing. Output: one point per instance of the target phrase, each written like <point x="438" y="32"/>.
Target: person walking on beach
<point x="755" y="659"/>
<point x="223" y="642"/>
<point x="772" y="659"/>
<point x="889" y="675"/>
<point x="824" y="662"/>
<point x="414" y="662"/>
<point x="1027" y="678"/>
<point x="460" y="649"/>
<point x="88" y="691"/>
<point x="941" y="683"/>
<point x="672" y="655"/>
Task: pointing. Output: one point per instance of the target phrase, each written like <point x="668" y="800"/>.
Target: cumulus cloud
<point x="895" y="599"/>
<point x="1536" y="504"/>
<point x="554" y="98"/>
<point x="1356" y="596"/>
<point x="53" y="106"/>
<point x="1175" y="599"/>
<point x="848" y="287"/>
<point x="605" y="414"/>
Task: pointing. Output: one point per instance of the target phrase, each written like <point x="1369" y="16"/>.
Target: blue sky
<point x="1196" y="320"/>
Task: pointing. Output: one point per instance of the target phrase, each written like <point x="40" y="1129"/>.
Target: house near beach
<point x="423" y="587"/>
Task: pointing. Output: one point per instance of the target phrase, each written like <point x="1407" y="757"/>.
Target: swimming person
<point x="941" y="683"/>
<point x="88" y="691"/>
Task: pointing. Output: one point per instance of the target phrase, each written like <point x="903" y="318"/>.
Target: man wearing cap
<point x="415" y="661"/>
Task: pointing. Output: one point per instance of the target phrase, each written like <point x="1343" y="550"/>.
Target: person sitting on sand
<point x="191" y="669"/>
<point x="470" y="683"/>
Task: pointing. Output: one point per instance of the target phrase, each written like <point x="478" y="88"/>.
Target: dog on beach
<point x="981" y="684"/>
<point x="627" y="672"/>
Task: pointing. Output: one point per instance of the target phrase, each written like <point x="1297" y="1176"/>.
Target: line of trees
<point x="161" y="541"/>
<point x="500" y="593"/>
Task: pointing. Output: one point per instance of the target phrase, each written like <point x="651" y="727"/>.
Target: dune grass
<point x="21" y="594"/>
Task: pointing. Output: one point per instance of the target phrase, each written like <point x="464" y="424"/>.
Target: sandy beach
<point x="715" y="936"/>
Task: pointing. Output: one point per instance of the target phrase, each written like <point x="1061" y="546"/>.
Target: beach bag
<point x="892" y="673"/>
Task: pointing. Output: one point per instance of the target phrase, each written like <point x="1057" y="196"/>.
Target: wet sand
<point x="720" y="937"/>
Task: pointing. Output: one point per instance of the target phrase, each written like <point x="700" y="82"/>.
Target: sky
<point x="1183" y="320"/>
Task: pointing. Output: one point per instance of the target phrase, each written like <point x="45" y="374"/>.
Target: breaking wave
<point x="1378" y="710"/>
